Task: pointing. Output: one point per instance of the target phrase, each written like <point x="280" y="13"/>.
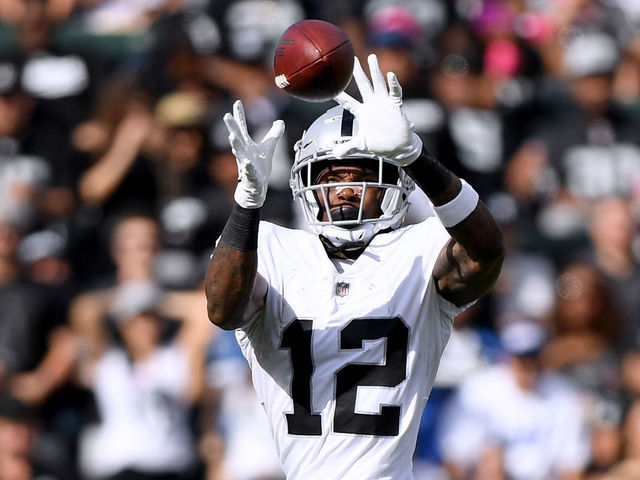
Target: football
<point x="313" y="60"/>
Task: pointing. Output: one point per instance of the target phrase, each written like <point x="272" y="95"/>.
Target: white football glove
<point x="382" y="126"/>
<point x="254" y="159"/>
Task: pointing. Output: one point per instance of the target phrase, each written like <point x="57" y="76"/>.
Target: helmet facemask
<point x="314" y="152"/>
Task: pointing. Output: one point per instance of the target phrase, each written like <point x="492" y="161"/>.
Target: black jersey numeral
<point x="297" y="337"/>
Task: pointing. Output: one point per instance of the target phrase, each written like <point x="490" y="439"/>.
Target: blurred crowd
<point x="116" y="178"/>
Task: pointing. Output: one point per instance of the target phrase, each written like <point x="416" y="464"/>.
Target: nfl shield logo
<point x="342" y="289"/>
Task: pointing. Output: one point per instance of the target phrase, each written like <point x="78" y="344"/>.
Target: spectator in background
<point x="526" y="286"/>
<point x="35" y="351"/>
<point x="36" y="348"/>
<point x="612" y="231"/>
<point x="119" y="142"/>
<point x="628" y="466"/>
<point x="181" y="170"/>
<point x="44" y="258"/>
<point x="24" y="176"/>
<point x="23" y="455"/>
<point x="222" y="170"/>
<point x="145" y="388"/>
<point x="242" y="65"/>
<point x="471" y="348"/>
<point x="472" y="139"/>
<point x="181" y="173"/>
<point x="626" y="88"/>
<point x="236" y="417"/>
<point x="585" y="324"/>
<point x="133" y="245"/>
<point x="516" y="419"/>
<point x="395" y="35"/>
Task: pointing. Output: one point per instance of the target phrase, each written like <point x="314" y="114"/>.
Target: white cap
<point x="591" y="53"/>
<point x="523" y="336"/>
<point x="134" y="298"/>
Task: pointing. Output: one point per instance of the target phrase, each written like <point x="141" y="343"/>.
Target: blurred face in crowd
<point x="15" y="109"/>
<point x="223" y="170"/>
<point x="141" y="334"/>
<point x="592" y="92"/>
<point x="579" y="299"/>
<point x="526" y="369"/>
<point x="452" y="88"/>
<point x="397" y="60"/>
<point x="612" y="225"/>
<point x="135" y="243"/>
<point x="183" y="148"/>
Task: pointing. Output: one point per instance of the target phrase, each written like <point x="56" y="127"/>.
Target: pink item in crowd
<point x="502" y="59"/>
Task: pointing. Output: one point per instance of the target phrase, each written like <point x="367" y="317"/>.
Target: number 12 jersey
<point x="343" y="362"/>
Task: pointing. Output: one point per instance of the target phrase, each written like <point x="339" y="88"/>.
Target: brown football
<point x="313" y="60"/>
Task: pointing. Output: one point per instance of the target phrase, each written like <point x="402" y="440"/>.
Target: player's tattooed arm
<point x="469" y="265"/>
<point x="234" y="290"/>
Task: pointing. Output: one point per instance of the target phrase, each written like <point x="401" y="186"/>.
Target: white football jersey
<point x="344" y="362"/>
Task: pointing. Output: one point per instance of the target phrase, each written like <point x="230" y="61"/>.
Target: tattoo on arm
<point x="233" y="268"/>
<point x="451" y="259"/>
<point x="229" y="284"/>
<point x="470" y="263"/>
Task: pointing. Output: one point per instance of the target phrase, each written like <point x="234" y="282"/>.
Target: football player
<point x="343" y="324"/>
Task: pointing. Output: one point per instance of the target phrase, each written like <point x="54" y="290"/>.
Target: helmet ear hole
<point x="390" y="173"/>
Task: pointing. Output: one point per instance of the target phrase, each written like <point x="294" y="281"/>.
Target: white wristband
<point x="453" y="212"/>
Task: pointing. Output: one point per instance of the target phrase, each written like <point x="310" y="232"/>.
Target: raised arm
<point x="232" y="273"/>
<point x="470" y="262"/>
<point x="233" y="287"/>
<point x="102" y="179"/>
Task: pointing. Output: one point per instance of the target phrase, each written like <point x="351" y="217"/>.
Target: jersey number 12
<point x="297" y="338"/>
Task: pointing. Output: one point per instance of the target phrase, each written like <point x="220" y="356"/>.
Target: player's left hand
<point x="382" y="126"/>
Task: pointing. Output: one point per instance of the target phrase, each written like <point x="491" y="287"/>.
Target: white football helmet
<point x="314" y="151"/>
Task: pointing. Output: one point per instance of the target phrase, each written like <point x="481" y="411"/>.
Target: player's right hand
<point x="254" y="159"/>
